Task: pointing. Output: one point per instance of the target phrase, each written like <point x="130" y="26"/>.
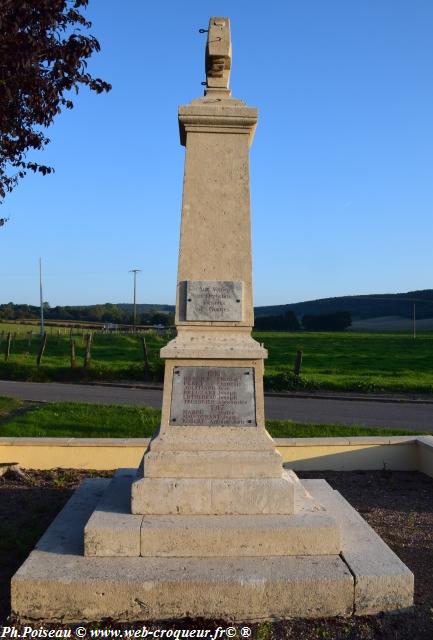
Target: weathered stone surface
<point x="216" y="246"/>
<point x="252" y="496"/>
<point x="382" y="581"/>
<point x="239" y="536"/>
<point x="189" y="496"/>
<point x="218" y="57"/>
<point x="215" y="300"/>
<point x="203" y="439"/>
<point x="76" y="589"/>
<point x="57" y="582"/>
<point x="66" y="530"/>
<point x="171" y="495"/>
<point x="212" y="464"/>
<point x="112" y="530"/>
<point x="212" y="346"/>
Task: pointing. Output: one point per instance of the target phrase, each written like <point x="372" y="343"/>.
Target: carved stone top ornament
<point x="218" y="56"/>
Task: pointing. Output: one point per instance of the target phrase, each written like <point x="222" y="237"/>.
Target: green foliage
<point x="263" y="631"/>
<point x="337" y="321"/>
<point x="287" y="321"/>
<point x="97" y="313"/>
<point x="43" y="53"/>
<point x="288" y="381"/>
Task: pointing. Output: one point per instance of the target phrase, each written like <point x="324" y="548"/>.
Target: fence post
<point x="298" y="363"/>
<point x="73" y="360"/>
<point x="8" y="346"/>
<point x="87" y="354"/>
<point x="145" y="354"/>
<point x="41" y="349"/>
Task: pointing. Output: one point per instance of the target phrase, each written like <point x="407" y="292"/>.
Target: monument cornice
<point x="218" y="118"/>
<point x="214" y="347"/>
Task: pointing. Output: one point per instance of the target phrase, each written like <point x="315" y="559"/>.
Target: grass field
<point x="80" y="420"/>
<point x="338" y="361"/>
<point x="113" y="356"/>
<point x="351" y="361"/>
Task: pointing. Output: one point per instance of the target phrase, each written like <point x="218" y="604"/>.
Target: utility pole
<point x="135" y="271"/>
<point x="41" y="297"/>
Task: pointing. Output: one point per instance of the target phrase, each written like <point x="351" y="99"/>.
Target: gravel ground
<point x="398" y="505"/>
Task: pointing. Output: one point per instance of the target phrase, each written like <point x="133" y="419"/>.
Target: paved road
<point x="414" y="416"/>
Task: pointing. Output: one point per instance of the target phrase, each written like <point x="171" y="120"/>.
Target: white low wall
<point x="398" y="453"/>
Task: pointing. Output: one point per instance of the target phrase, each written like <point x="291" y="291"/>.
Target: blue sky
<point x="341" y="165"/>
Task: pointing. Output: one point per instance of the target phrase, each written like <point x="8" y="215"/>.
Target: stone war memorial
<point x="211" y="525"/>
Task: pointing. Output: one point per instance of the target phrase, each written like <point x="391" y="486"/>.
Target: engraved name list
<point x="213" y="396"/>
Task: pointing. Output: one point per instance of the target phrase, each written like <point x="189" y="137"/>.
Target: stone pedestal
<point x="212" y="454"/>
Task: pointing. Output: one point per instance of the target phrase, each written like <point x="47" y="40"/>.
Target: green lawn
<point x="80" y="420"/>
<point x="337" y="361"/>
<point x="8" y="406"/>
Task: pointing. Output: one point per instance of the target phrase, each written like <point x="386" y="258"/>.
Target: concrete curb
<point x="350" y="398"/>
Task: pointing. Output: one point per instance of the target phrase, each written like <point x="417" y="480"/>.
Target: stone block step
<point x="382" y="580"/>
<point x="242" y="536"/>
<point x="58" y="582"/>
<point x="212" y="496"/>
<point x="212" y="464"/>
<point x="113" y="531"/>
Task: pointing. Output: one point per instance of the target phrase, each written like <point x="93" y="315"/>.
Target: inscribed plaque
<point x="213" y="396"/>
<point x="215" y="300"/>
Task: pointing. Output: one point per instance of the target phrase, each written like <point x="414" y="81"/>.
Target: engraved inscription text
<point x="214" y="300"/>
<point x="213" y="396"/>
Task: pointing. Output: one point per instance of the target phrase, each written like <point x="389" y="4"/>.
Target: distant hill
<point x="391" y="323"/>
<point x="361" y="307"/>
<point x="382" y="311"/>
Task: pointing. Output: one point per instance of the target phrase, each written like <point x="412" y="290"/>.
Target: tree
<point x="43" y="56"/>
<point x="287" y="321"/>
<point x="337" y="321"/>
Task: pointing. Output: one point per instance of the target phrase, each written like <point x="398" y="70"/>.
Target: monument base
<point x="113" y="531"/>
<point x="59" y="583"/>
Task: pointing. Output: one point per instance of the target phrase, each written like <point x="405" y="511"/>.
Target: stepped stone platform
<point x="87" y="565"/>
<point x="113" y="531"/>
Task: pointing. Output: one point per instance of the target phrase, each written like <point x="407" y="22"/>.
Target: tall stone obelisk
<point x="212" y="454"/>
